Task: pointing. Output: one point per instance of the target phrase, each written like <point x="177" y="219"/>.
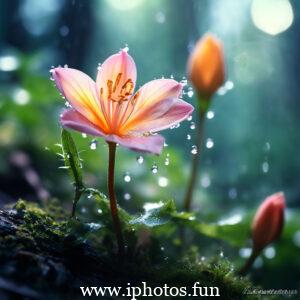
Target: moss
<point x="45" y="251"/>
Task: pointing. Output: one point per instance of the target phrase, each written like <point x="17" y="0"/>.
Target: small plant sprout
<point x="266" y="227"/>
<point x="206" y="71"/>
<point x="109" y="108"/>
<point x="73" y="164"/>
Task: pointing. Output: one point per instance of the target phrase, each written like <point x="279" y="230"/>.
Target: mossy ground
<point x="44" y="254"/>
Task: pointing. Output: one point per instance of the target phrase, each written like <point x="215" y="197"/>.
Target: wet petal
<point x="115" y="85"/>
<point x="80" y="90"/>
<point x="74" y="120"/>
<point x="149" y="144"/>
<point x="148" y="96"/>
<point x="178" y="111"/>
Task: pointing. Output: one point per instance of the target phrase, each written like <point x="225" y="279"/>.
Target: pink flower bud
<point x="268" y="221"/>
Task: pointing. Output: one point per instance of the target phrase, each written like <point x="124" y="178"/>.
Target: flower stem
<point x="112" y="197"/>
<point x="244" y="270"/>
<point x="195" y="164"/>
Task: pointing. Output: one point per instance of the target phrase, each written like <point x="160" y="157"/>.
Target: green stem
<point x="195" y="164"/>
<point x="112" y="198"/>
<point x="244" y="270"/>
<point x="75" y="201"/>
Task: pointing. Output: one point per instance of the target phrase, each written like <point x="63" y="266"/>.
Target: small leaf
<point x="156" y="214"/>
<point x="71" y="158"/>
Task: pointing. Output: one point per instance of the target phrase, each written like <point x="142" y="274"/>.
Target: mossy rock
<point x="45" y="255"/>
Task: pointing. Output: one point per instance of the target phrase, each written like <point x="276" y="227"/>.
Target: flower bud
<point x="206" y="66"/>
<point x="268" y="221"/>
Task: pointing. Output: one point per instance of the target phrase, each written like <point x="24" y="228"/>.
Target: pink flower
<point x="268" y="221"/>
<point x="110" y="108"/>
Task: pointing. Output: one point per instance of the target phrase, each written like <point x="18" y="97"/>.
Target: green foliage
<point x="71" y="158"/>
<point x="85" y="251"/>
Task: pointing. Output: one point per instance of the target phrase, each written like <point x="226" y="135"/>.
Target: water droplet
<point x="245" y="252"/>
<point x="162" y="248"/>
<point x="270" y="252"/>
<point x="126" y="48"/>
<point x="21" y="96"/>
<point x="160" y="17"/>
<point x="265" y="167"/>
<point x="188" y="137"/>
<point x="94" y="226"/>
<point x="205" y="181"/>
<point x="232" y="193"/>
<point x="154" y="169"/>
<point x="163" y="181"/>
<point x="9" y="63"/>
<point x="221" y="253"/>
<point x="190" y="118"/>
<point x="258" y="263"/>
<point x="194" y="149"/>
<point x="229" y="85"/>
<point x="167" y="161"/>
<point x="67" y="104"/>
<point x="84" y="135"/>
<point x="209" y="143"/>
<point x="267" y="147"/>
<point x="99" y="211"/>
<point x="66" y="66"/>
<point x="140" y="159"/>
<point x="202" y="258"/>
<point x="90" y="196"/>
<point x="192" y="125"/>
<point x="296" y="238"/>
<point x="183" y="82"/>
<point x="83" y="210"/>
<point x="93" y="145"/>
<point x="190" y="92"/>
<point x="127" y="177"/>
<point x="210" y="114"/>
<point x="165" y="144"/>
<point x="222" y="91"/>
<point x="127" y="196"/>
<point x="64" y="30"/>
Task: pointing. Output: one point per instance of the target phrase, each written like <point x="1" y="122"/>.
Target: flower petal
<point x="149" y="144"/>
<point x="177" y="111"/>
<point x="74" y="120"/>
<point x="80" y="90"/>
<point x="148" y="96"/>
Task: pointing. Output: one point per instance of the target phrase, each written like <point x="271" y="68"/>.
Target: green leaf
<point x="156" y="214"/>
<point x="71" y="158"/>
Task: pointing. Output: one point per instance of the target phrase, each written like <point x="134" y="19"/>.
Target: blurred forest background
<point x="252" y="130"/>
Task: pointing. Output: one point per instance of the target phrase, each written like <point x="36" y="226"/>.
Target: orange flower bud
<point x="268" y="221"/>
<point x="206" y="66"/>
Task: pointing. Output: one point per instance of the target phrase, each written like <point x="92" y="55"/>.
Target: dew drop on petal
<point x="127" y="177"/>
<point x="194" y="149"/>
<point x="140" y="159"/>
<point x="154" y="169"/>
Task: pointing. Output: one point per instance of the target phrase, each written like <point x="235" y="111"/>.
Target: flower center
<point x="117" y="93"/>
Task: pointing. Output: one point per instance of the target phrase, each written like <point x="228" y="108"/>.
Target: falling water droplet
<point x="93" y="145"/>
<point x="210" y="114"/>
<point x="194" y="149"/>
<point x="127" y="196"/>
<point x="265" y="167"/>
<point x="188" y="137"/>
<point x="190" y="118"/>
<point x="126" y="48"/>
<point x="167" y="161"/>
<point x="165" y="144"/>
<point x="192" y="125"/>
<point x="127" y="177"/>
<point x="190" y="92"/>
<point x="183" y="81"/>
<point x="140" y="159"/>
<point x="99" y="211"/>
<point x="163" y="181"/>
<point x="205" y="181"/>
<point x="209" y="143"/>
<point x="154" y="169"/>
